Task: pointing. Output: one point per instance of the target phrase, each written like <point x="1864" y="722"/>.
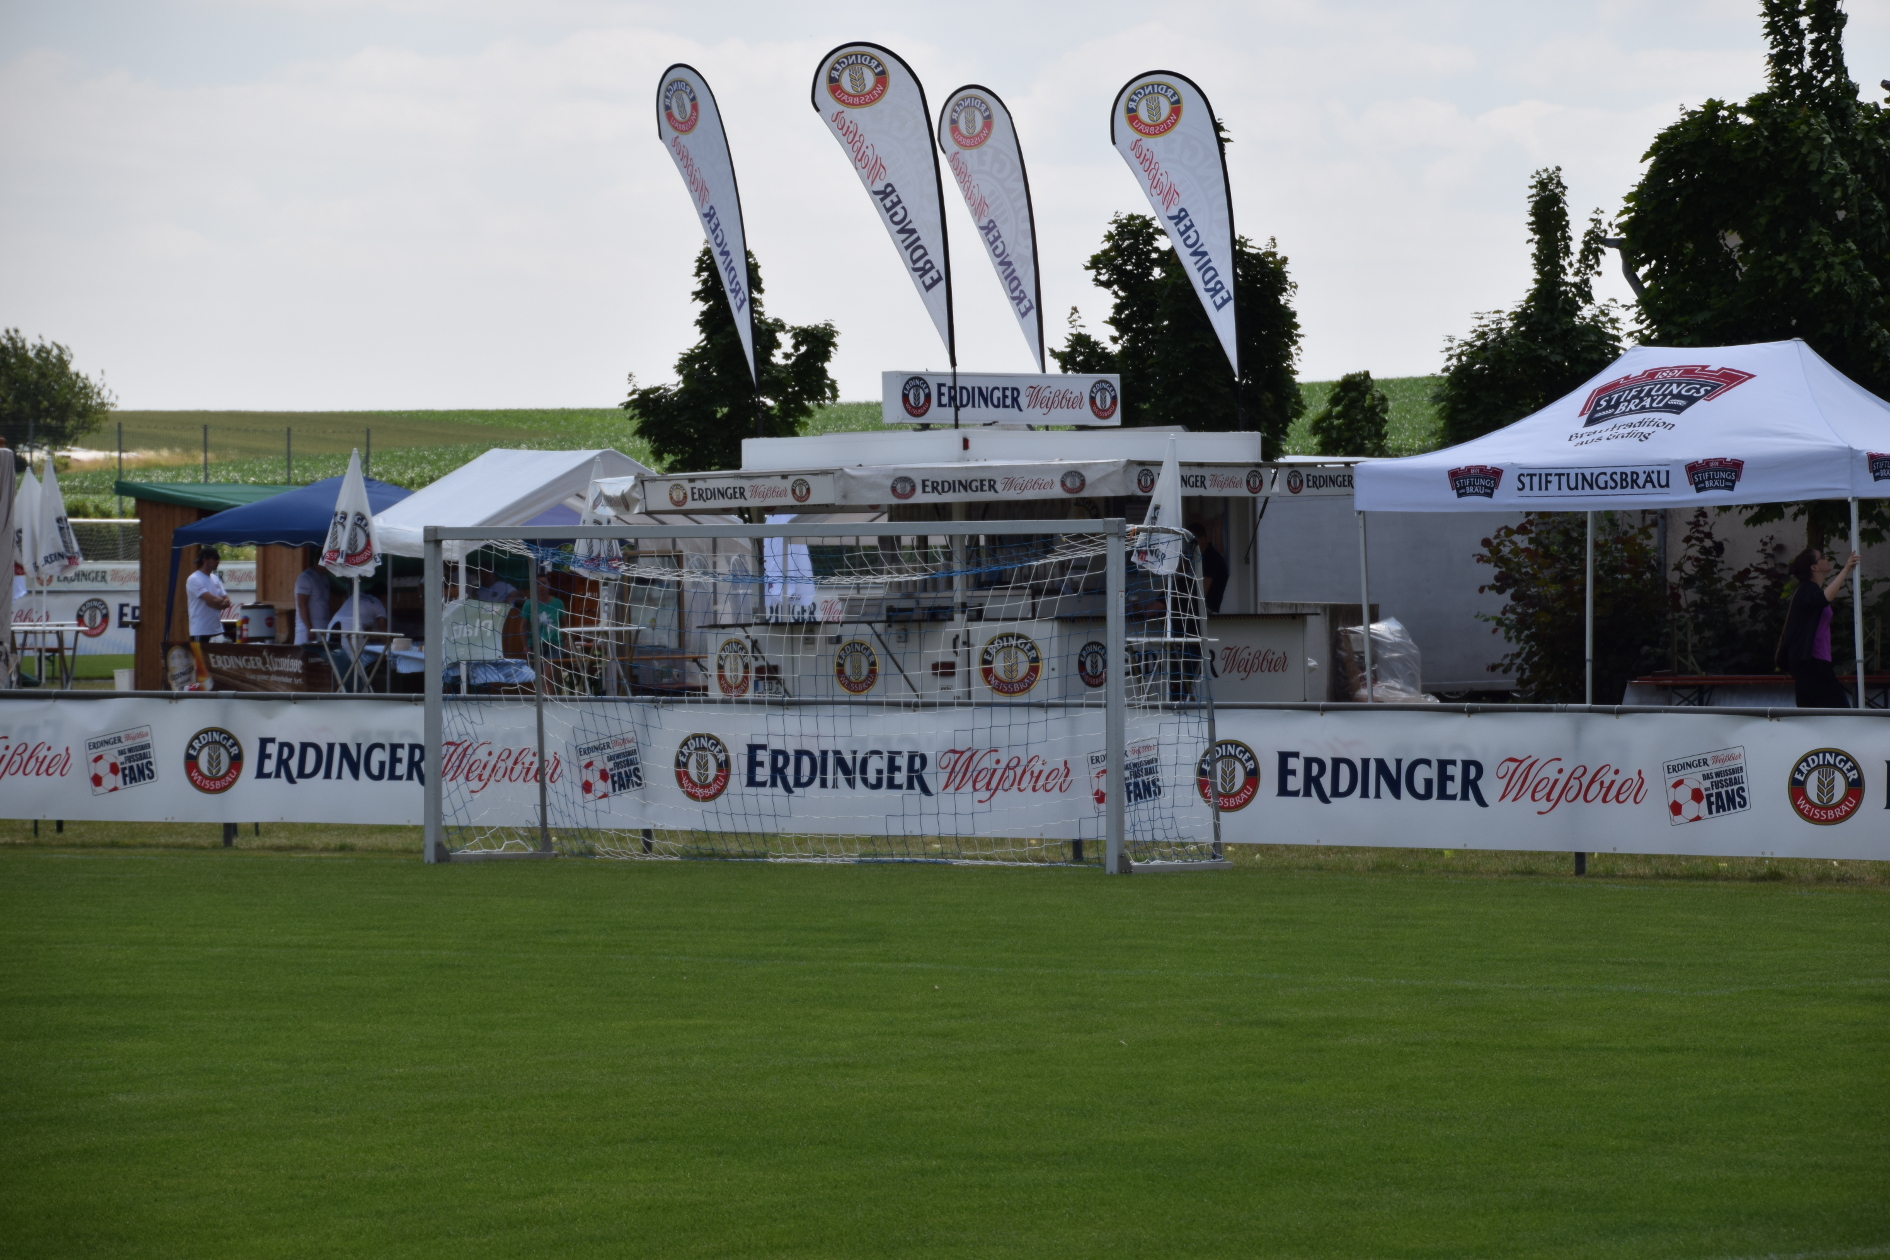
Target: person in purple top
<point x="1804" y="650"/>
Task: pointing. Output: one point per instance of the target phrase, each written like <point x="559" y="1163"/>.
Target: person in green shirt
<point x="550" y="619"/>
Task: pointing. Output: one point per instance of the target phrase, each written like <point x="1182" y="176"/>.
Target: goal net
<point x="820" y="691"/>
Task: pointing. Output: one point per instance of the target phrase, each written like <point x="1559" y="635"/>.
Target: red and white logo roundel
<point x="680" y="110"/>
<point x="213" y="760"/>
<point x="702" y="767"/>
<point x="856" y="79"/>
<point x="970" y="121"/>
<point x="904" y="488"/>
<point x="1153" y="108"/>
<point x="916" y="396"/>
<point x="1073" y="481"/>
<point x="734" y="669"/>
<point x="1010" y="663"/>
<point x="678" y="494"/>
<point x="1230" y="773"/>
<point x="1826" y="786"/>
<point x="94" y="618"/>
<point x="1256" y="481"/>
<point x="856" y="667"/>
<point x="1145" y="481"/>
<point x="1103" y="400"/>
<point x="1295" y="481"/>
<point x="802" y="489"/>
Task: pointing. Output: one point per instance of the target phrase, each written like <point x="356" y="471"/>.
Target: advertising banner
<point x="874" y="106"/>
<point x="689" y="124"/>
<point x="1163" y="127"/>
<point x="718" y="492"/>
<point x="960" y="482"/>
<point x="101" y="596"/>
<point x="987" y="164"/>
<point x="1091" y="401"/>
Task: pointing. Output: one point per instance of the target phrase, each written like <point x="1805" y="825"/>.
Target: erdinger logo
<point x="213" y="760"/>
<point x="855" y="667"/>
<point x="1826" y="786"/>
<point x="733" y="669"/>
<point x="1010" y="663"/>
<point x="1256" y="481"/>
<point x="1153" y="108"/>
<point x="678" y="494"/>
<point x="1073" y="481"/>
<point x="702" y="767"/>
<point x="679" y="106"/>
<point x="1475" y="481"/>
<point x="916" y="396"/>
<point x="94" y="618"/>
<point x="1879" y="467"/>
<point x="1228" y="775"/>
<point x="970" y="121"/>
<point x="1103" y="400"/>
<point x="1295" y="482"/>
<point x="1145" y="481"/>
<point x="1714" y="474"/>
<point x="1092" y="664"/>
<point x="801" y="489"/>
<point x="904" y="488"/>
<point x="856" y="80"/>
<point x="1670" y="390"/>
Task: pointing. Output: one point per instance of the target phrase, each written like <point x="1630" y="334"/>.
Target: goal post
<point x="1027" y="692"/>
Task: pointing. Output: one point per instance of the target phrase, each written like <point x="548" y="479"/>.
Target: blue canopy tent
<point x="295" y="518"/>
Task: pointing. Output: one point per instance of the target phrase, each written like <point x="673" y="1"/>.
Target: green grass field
<point x="319" y="1052"/>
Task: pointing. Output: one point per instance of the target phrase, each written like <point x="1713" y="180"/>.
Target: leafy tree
<point x="1172" y="365"/>
<point x="1770" y="219"/>
<point x="699" y="422"/>
<point x="1354" y="419"/>
<point x="44" y="400"/>
<point x="1516" y="362"/>
<point x="1726" y="620"/>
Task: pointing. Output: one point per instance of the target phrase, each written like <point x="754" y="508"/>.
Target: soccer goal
<point x="1024" y="692"/>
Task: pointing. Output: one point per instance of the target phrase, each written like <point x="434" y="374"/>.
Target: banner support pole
<point x="1116" y="704"/>
<point x="1365" y="608"/>
<point x="1588" y="599"/>
<point x="538" y="697"/>
<point x="1857" y="606"/>
<point x="433" y="720"/>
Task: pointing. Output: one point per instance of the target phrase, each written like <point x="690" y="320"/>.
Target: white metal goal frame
<point x="1174" y="635"/>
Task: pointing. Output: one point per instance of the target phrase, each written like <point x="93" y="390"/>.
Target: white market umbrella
<point x="26" y="527"/>
<point x="1161" y="552"/>
<point x="57" y="549"/>
<point x="352" y="549"/>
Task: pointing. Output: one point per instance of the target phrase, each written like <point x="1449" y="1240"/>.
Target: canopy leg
<point x="1588" y="587"/>
<point x="1365" y="607"/>
<point x="1857" y="607"/>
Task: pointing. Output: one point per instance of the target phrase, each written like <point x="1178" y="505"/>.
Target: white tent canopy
<point x="1661" y="427"/>
<point x="499" y="488"/>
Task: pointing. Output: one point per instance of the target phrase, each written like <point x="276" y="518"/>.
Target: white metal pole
<point x="1857" y="606"/>
<point x="434" y="726"/>
<point x="538" y="689"/>
<point x="1365" y="606"/>
<point x="1588" y="597"/>
<point x="1116" y="705"/>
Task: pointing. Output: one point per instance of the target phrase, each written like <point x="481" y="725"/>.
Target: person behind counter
<point x="373" y="614"/>
<point x="205" y="597"/>
<point x="312" y="596"/>
<point x="1804" y="650"/>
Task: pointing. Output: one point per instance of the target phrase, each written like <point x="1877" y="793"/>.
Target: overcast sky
<point x="287" y="204"/>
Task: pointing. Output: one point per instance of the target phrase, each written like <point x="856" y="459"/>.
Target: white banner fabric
<point x="875" y="108"/>
<point x="689" y="123"/>
<point x="1090" y="401"/>
<point x="987" y="164"/>
<point x="1163" y="127"/>
<point x="1655" y="781"/>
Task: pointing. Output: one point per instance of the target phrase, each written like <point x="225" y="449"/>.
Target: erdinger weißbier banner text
<point x="690" y="126"/>
<point x="1163" y="127"/>
<point x="987" y="164"/>
<point x="1000" y="398"/>
<point x="873" y="105"/>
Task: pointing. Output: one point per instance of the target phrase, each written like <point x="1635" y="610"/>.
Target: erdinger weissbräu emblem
<point x="856" y="79"/>
<point x="1092" y="664"/>
<point x="904" y="488"/>
<point x="1475" y="481"/>
<point x="1010" y="663"/>
<point x="1153" y="108"/>
<point x="679" y="106"/>
<point x="1826" y="786"/>
<point x="1668" y="390"/>
<point x="213" y="760"/>
<point x="1103" y="400"/>
<point x="734" y="668"/>
<point x="855" y="667"/>
<point x="1295" y="481"/>
<point x="1073" y="481"/>
<point x="1145" y="481"/>
<point x="94" y="618"/>
<point x="969" y="121"/>
<point x="1229" y="771"/>
<point x="916" y="396"/>
<point x="1256" y="481"/>
<point x="1715" y="474"/>
<point x="678" y="494"/>
<point x="702" y="767"/>
<point x="1879" y="467"/>
<point x="802" y="489"/>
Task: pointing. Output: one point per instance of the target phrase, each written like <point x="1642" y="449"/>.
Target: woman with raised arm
<point x="1804" y="650"/>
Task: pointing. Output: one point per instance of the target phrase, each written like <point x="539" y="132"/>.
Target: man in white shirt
<point x="311" y="597"/>
<point x="373" y="614"/>
<point x="205" y="597"/>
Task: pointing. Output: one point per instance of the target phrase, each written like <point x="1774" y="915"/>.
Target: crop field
<point x="313" y="1044"/>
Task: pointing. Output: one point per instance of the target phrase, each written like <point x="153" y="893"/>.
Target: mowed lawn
<point x="263" y="1054"/>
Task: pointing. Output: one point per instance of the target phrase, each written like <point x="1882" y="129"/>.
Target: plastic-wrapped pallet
<point x="1397" y="667"/>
